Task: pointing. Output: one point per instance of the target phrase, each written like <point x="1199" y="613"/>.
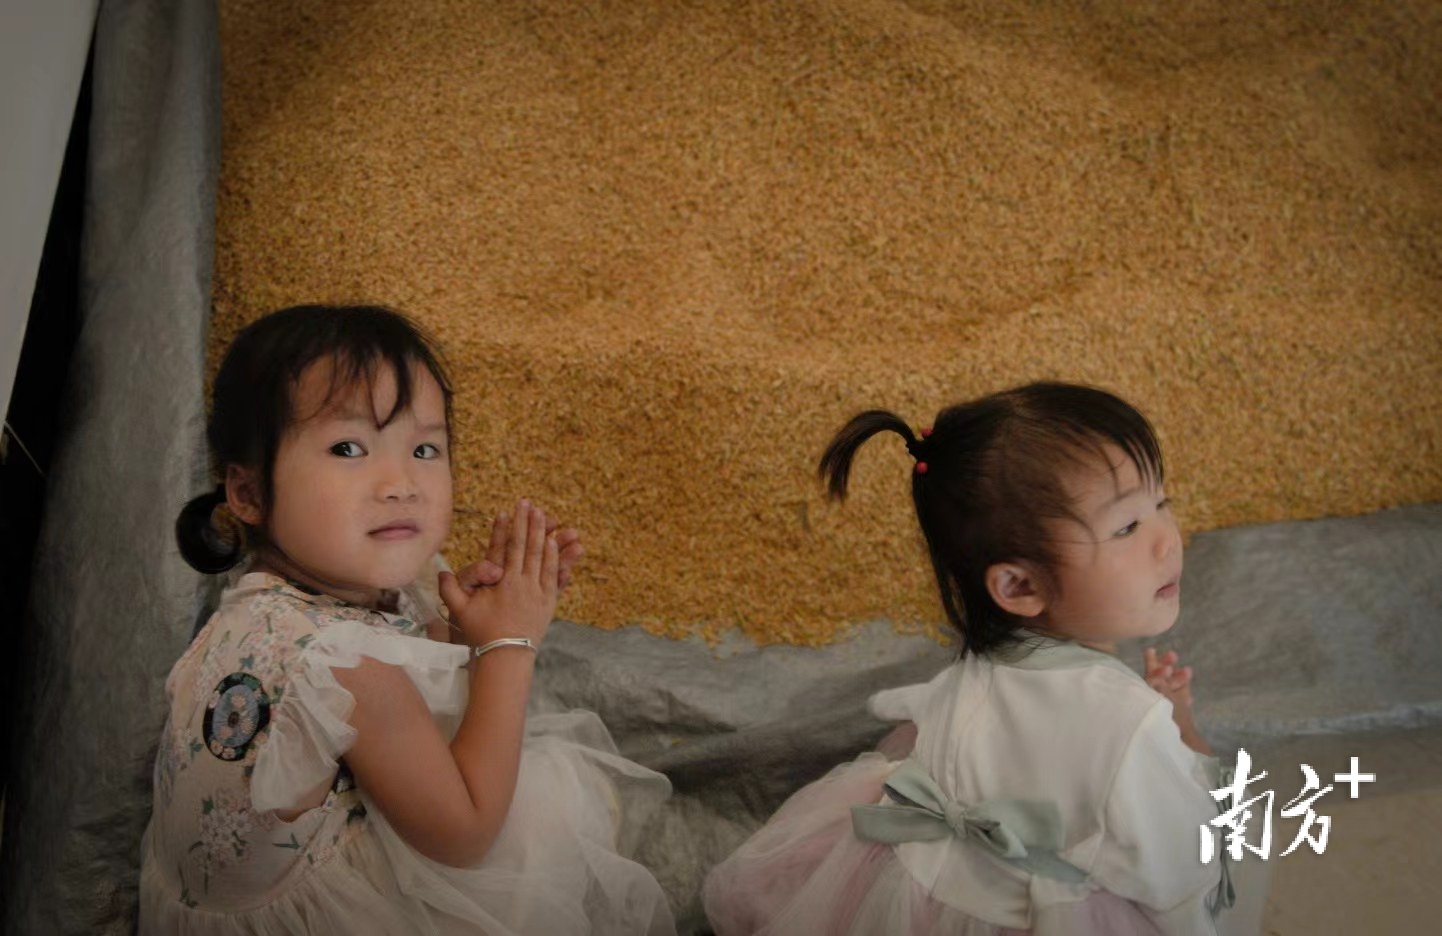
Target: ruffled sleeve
<point x="1154" y="816"/>
<point x="309" y="726"/>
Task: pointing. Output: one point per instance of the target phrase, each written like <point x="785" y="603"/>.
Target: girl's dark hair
<point x="253" y="401"/>
<point x="992" y="478"/>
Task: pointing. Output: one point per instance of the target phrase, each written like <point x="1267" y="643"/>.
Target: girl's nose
<point x="398" y="491"/>
<point x="396" y="485"/>
<point x="1169" y="539"/>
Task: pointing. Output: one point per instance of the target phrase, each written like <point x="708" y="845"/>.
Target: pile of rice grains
<point x="670" y="248"/>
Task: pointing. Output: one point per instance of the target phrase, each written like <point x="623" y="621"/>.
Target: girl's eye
<point x="1164" y="504"/>
<point x="347" y="449"/>
<point x="1129" y="529"/>
<point x="427" y="451"/>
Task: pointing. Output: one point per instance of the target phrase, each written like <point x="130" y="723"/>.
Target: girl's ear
<point x="1017" y="588"/>
<point x="242" y="495"/>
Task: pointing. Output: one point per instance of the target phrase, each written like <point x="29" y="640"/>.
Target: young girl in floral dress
<point x="340" y="757"/>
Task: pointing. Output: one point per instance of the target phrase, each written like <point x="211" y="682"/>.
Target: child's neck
<point x="1101" y="646"/>
<point x="272" y="562"/>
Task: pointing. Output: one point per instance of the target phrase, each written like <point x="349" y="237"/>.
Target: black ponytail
<point x="835" y="467"/>
<point x="205" y="547"/>
<point x="988" y="486"/>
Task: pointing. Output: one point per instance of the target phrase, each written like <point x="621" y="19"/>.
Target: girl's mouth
<point x="400" y="530"/>
<point x="1171" y="589"/>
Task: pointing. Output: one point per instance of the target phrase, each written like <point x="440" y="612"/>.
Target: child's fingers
<point x="1169" y="680"/>
<point x="1149" y="659"/>
<point x="550" y="567"/>
<point x="1177" y="680"/>
<point x="569" y="553"/>
<point x="480" y="574"/>
<point x="570" y="549"/>
<point x="535" y="543"/>
<point x="452" y="593"/>
<point x="500" y="529"/>
<point x="516" y="539"/>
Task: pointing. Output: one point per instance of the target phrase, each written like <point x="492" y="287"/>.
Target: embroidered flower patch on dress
<point x="237" y="711"/>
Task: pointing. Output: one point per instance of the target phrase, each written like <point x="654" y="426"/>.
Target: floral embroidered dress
<point x="258" y="724"/>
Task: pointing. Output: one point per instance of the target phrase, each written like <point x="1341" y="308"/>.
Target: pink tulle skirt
<point x="804" y="872"/>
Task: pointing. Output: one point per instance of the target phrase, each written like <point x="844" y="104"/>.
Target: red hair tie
<point x="926" y="432"/>
<point x="921" y="467"/>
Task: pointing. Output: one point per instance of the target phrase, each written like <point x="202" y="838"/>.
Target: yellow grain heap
<point x="670" y="248"/>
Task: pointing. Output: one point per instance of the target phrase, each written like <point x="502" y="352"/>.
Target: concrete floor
<point x="1381" y="873"/>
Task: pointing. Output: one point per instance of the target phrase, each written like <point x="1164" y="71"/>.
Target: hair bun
<point x="206" y="548"/>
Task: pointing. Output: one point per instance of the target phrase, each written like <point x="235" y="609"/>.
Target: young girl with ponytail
<point x="1050" y="789"/>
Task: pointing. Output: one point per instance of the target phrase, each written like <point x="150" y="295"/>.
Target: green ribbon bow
<point x="1025" y="833"/>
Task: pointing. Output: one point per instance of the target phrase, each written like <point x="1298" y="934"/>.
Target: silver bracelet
<point x="476" y="652"/>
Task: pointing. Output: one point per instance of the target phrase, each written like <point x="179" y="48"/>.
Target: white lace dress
<point x="258" y="722"/>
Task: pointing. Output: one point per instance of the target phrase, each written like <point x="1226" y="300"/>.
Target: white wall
<point x="43" y="46"/>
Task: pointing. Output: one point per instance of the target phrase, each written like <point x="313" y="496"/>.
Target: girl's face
<point x="358" y="509"/>
<point x="1119" y="576"/>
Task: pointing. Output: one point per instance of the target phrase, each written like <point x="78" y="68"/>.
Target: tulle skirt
<point x="558" y="867"/>
<point x="805" y="874"/>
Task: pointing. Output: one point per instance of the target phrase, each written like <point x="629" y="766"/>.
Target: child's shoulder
<point x="1110" y="682"/>
<point x="264" y="620"/>
<point x="244" y="656"/>
<point x="1069" y="691"/>
<point x="1060" y="683"/>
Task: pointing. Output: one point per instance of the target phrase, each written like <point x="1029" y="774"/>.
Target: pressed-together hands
<point x="1175" y="682"/>
<point x="488" y="570"/>
<point x="513" y="591"/>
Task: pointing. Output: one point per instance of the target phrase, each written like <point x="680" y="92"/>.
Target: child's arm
<point x="1155" y="814"/>
<point x="1175" y="682"/>
<point x="449" y="801"/>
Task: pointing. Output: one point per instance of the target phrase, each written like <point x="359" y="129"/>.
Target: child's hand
<point x="1175" y="682"/>
<point x="487" y="571"/>
<point x="1172" y="681"/>
<point x="523" y="601"/>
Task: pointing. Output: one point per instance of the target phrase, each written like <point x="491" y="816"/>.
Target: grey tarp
<point x="1315" y="640"/>
<point x="112" y="603"/>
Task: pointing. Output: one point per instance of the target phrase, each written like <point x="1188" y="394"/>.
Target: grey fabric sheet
<point x="1321" y="627"/>
<point x="112" y="603"/>
<point x="1311" y="640"/>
